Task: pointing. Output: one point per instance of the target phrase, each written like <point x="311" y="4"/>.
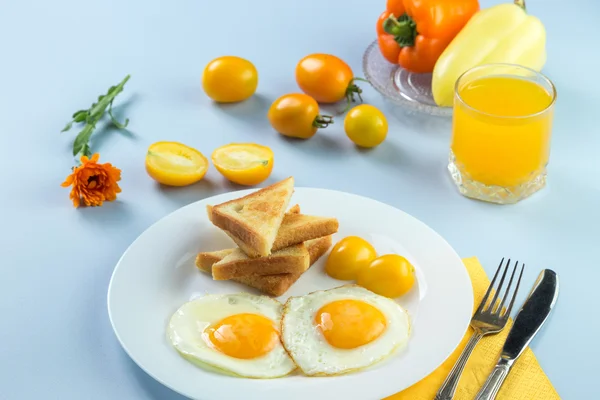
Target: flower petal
<point x="68" y="181"/>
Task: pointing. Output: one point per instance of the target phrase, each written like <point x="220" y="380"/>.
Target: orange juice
<point x="501" y="134"/>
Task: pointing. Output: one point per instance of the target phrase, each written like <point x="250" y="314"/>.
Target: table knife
<point x="528" y="322"/>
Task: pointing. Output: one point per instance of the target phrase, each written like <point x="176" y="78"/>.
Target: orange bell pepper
<point x="414" y="33"/>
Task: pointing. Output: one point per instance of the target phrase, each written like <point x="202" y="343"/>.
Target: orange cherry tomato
<point x="326" y="78"/>
<point x="390" y="275"/>
<point x="348" y="257"/>
<point x="297" y="115"/>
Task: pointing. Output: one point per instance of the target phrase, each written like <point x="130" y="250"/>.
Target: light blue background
<point x="56" y="56"/>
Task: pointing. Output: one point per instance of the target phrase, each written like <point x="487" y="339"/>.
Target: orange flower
<point x="93" y="183"/>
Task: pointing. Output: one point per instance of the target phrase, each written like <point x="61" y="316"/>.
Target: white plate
<point x="156" y="275"/>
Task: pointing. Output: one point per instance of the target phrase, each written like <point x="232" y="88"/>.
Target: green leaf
<point x="92" y="116"/>
<point x="67" y="127"/>
<point x="78" y="112"/>
<point x="86" y="151"/>
<point x="82" y="139"/>
<point x="80" y="116"/>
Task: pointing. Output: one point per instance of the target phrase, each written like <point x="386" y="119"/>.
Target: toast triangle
<point x="294" y="259"/>
<point x="253" y="221"/>
<point x="274" y="285"/>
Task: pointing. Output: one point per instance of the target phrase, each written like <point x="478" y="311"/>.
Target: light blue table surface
<point x="56" y="341"/>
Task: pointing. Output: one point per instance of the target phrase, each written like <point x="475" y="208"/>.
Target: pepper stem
<point x="521" y="3"/>
<point x="322" y="121"/>
<point x="404" y="29"/>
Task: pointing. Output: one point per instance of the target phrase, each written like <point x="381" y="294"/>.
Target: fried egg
<point x="237" y="333"/>
<point x="340" y="330"/>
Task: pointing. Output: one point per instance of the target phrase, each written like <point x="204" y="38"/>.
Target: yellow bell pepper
<point x="501" y="34"/>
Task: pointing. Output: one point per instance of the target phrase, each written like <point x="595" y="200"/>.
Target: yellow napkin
<point x="526" y="381"/>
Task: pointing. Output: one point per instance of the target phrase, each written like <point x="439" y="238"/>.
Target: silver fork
<point x="490" y="318"/>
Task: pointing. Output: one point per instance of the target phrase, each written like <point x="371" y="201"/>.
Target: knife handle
<point x="494" y="381"/>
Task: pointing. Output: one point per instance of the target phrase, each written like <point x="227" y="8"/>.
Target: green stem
<point x="404" y="29"/>
<point x="114" y="120"/>
<point x="322" y="121"/>
<point x="82" y="139"/>
<point x="521" y="3"/>
<point x="101" y="105"/>
<point x="352" y="90"/>
<point x="92" y="116"/>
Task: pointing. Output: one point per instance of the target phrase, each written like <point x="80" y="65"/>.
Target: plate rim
<point x="243" y="192"/>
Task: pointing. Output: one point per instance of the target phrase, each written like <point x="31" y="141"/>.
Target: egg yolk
<point x="243" y="335"/>
<point x="347" y="324"/>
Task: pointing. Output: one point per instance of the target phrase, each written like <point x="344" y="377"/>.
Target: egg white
<point x="189" y="322"/>
<point x="311" y="352"/>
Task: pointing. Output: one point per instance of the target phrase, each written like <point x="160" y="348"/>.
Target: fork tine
<point x="512" y="301"/>
<point x="499" y="311"/>
<point x="492" y="306"/>
<point x="489" y="290"/>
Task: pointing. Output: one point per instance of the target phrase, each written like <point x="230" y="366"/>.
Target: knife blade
<point x="529" y="320"/>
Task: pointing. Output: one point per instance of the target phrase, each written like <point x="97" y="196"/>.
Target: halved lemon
<point x="175" y="164"/>
<point x="244" y="163"/>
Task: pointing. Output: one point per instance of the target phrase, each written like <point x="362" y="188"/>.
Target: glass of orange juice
<point x="501" y="132"/>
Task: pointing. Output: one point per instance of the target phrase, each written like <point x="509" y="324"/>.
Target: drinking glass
<point x="501" y="130"/>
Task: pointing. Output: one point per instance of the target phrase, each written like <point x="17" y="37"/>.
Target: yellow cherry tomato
<point x="366" y="126"/>
<point x="390" y="275"/>
<point x="297" y="115"/>
<point x="229" y="79"/>
<point x="244" y="163"/>
<point x="349" y="256"/>
<point x="175" y="164"/>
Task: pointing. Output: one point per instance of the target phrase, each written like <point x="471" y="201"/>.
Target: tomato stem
<point x="404" y="29"/>
<point x="351" y="91"/>
<point x="322" y="121"/>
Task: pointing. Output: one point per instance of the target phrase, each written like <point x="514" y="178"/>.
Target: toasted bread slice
<point x="298" y="228"/>
<point x="295" y="209"/>
<point x="317" y="247"/>
<point x="205" y="260"/>
<point x="253" y="221"/>
<point x="291" y="260"/>
<point x="274" y="285"/>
